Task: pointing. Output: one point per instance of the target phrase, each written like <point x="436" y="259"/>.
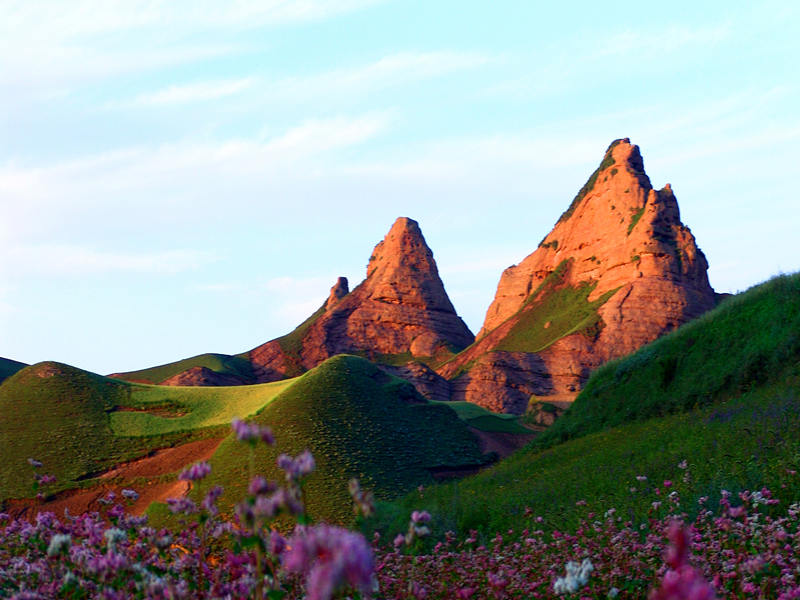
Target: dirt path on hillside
<point x="161" y="462"/>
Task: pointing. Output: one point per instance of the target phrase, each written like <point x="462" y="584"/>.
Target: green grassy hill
<point x="359" y="422"/>
<point x="722" y="393"/>
<point x="155" y="409"/>
<point x="236" y="365"/>
<point x="8" y="367"/>
<point x="78" y="423"/>
<point x="59" y="415"/>
<point x="747" y="342"/>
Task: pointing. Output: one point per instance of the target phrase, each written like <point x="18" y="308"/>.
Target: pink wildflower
<point x="681" y="581"/>
<point x="421" y="516"/>
<point x="331" y="558"/>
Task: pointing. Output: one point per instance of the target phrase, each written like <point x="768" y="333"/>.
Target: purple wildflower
<point x="297" y="467"/>
<point x="131" y="495"/>
<point x="259" y="486"/>
<point x="34" y="463"/>
<point x="196" y="472"/>
<point x="210" y="500"/>
<point x="182" y="505"/>
<point x="252" y="432"/>
<point x="330" y="558"/>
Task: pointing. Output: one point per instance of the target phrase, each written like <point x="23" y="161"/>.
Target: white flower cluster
<point x="577" y="577"/>
<point x="59" y="543"/>
<point x="114" y="536"/>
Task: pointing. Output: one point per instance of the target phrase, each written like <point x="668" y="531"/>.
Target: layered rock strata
<point x="618" y="270"/>
<point x="399" y="312"/>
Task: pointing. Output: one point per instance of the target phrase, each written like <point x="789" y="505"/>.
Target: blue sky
<point x="182" y="177"/>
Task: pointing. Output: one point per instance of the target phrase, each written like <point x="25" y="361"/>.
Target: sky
<point x="180" y="177"/>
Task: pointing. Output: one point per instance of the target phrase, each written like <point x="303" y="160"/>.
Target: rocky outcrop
<point x="618" y="270"/>
<point x="427" y="381"/>
<point x="203" y="376"/>
<point x="400" y="311"/>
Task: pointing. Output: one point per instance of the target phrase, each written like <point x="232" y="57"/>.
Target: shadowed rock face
<point x="401" y="308"/>
<point x="203" y="376"/>
<point x="623" y="245"/>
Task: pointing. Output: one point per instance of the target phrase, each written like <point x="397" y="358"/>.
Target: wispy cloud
<point x="669" y="39"/>
<point x="391" y="70"/>
<point x="57" y="21"/>
<point x="56" y="260"/>
<point x="165" y="175"/>
<point x="69" y="43"/>
<point x="193" y="92"/>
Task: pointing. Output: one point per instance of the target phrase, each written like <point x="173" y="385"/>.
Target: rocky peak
<point x="615" y="228"/>
<point x="400" y="309"/>
<point x="339" y="290"/>
<point x="622" y="263"/>
<point x="402" y="270"/>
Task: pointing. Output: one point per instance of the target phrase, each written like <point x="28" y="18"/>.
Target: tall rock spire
<point x="617" y="270"/>
<point x="400" y="309"/>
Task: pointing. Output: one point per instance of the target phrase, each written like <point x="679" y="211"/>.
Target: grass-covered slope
<point x="480" y="418"/>
<point x="552" y="312"/>
<point x="155" y="410"/>
<point x="745" y="443"/>
<point x="78" y="423"/>
<point x="8" y="367"/>
<point x="59" y="415"/>
<point x="722" y="393"/>
<point x="359" y="422"/>
<point x="236" y="365"/>
<point x="748" y="341"/>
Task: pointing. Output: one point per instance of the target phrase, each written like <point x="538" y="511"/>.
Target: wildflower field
<point x="745" y="546"/>
<point x="694" y="495"/>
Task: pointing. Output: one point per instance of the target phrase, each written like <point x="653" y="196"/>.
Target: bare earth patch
<point x="162" y="462"/>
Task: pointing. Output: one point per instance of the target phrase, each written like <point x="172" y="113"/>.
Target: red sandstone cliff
<point x="400" y="310"/>
<point x="618" y="270"/>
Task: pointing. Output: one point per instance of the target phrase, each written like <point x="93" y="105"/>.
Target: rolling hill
<point x="358" y="421"/>
<point x="8" y="367"/>
<point x="721" y="392"/>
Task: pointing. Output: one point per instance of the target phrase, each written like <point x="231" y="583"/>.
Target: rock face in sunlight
<point x="399" y="312"/>
<point x="618" y="270"/>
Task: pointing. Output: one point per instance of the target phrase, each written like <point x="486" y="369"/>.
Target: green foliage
<point x="552" y="312"/>
<point x="60" y="415"/>
<point x="220" y="363"/>
<point x="8" y="367"/>
<point x="608" y="161"/>
<point x="498" y="424"/>
<point x="292" y="343"/>
<point x="189" y="408"/>
<point x="635" y="219"/>
<point x="358" y="422"/>
<point x="480" y="418"/>
<point x="553" y="244"/>
<point x="720" y="392"/>
<point x="748" y="341"/>
<point x="745" y="443"/>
